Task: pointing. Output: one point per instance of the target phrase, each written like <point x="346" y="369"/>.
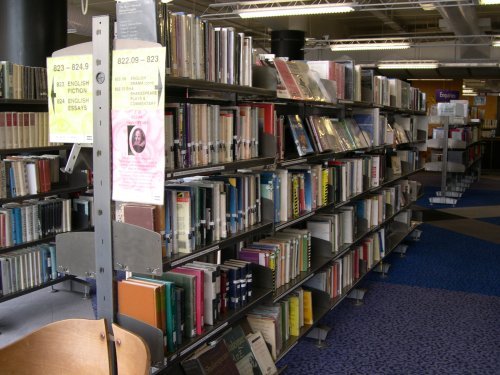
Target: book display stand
<point x="460" y="159"/>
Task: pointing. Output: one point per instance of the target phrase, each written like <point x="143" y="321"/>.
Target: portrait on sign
<point x="136" y="140"/>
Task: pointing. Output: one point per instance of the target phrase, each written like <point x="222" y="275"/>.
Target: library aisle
<point x="437" y="309"/>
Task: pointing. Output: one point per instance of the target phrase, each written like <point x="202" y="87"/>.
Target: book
<point x="149" y="310"/>
<point x="261" y="353"/>
<point x="300" y="137"/>
<point x="241" y="351"/>
<point x="210" y="360"/>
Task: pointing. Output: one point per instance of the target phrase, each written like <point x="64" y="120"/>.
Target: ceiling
<point x="454" y="32"/>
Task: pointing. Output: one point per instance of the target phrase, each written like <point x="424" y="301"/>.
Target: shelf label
<point x="138" y="124"/>
<point x="69" y="88"/>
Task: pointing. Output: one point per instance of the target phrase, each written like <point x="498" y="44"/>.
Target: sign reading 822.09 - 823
<point x="138" y="124"/>
<point x="69" y="81"/>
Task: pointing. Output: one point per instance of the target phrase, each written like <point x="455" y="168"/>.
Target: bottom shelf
<point x="38" y="287"/>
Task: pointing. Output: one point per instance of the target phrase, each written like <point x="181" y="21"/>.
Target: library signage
<point x="69" y="81"/>
<point x="444" y="96"/>
<point x="138" y="125"/>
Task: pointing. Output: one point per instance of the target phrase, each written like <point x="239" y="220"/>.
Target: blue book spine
<point x="45" y="267"/>
<point x="241" y="219"/>
<point x="12" y="183"/>
<point x="276" y="198"/>
<point x="18" y="224"/>
<point x="53" y="262"/>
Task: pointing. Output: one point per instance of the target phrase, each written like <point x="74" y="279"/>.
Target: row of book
<point x="27" y="268"/>
<point x="391" y="92"/>
<point x="286" y="253"/>
<point x="366" y="128"/>
<point x="330" y="81"/>
<point x="320" y="134"/>
<point x="343" y="272"/>
<point x="236" y="352"/>
<point x="22" y="175"/>
<point x="303" y="188"/>
<point x="279" y="321"/>
<point x="31" y="220"/>
<point x="22" y="82"/>
<point x="203" y="134"/>
<point x="200" y="211"/>
<point x="24" y="129"/>
<point x="197" y="49"/>
<point x="182" y="301"/>
<point x="346" y="224"/>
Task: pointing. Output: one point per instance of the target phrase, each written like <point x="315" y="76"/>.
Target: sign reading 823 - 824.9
<point x="70" y="98"/>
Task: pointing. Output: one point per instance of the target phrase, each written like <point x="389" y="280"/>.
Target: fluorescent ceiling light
<point x="496" y="43"/>
<point x="408" y="65"/>
<point x="368" y="46"/>
<point x="430" y="79"/>
<point x="294" y="10"/>
<point x="489" y="2"/>
<point x="427" y="6"/>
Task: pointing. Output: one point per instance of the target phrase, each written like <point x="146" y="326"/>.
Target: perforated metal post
<point x="101" y="45"/>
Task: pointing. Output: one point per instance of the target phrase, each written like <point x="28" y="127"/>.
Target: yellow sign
<point x="69" y="80"/>
<point x="138" y="82"/>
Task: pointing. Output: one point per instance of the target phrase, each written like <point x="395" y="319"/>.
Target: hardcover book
<point x="210" y="360"/>
<point x="241" y="351"/>
<point x="300" y="137"/>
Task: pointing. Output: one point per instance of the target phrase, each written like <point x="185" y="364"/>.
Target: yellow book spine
<point x="295" y="196"/>
<point x="294" y="316"/>
<point x="324" y="187"/>
<point x="308" y="309"/>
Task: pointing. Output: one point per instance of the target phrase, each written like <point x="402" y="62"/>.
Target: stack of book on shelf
<point x="183" y="301"/>
<point x="22" y="82"/>
<point x="317" y="134"/>
<point x="372" y="124"/>
<point x="22" y="175"/>
<point x="197" y="49"/>
<point x="343" y="272"/>
<point x="27" y="268"/>
<point x="286" y="254"/>
<point x="281" y="320"/>
<point x="236" y="352"/>
<point x="24" y="129"/>
<point x="31" y="220"/>
<point x="203" y="134"/>
<point x="199" y="211"/>
<point x="489" y="128"/>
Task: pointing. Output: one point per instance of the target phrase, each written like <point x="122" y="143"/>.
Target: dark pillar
<point x="30" y="30"/>
<point x="288" y="43"/>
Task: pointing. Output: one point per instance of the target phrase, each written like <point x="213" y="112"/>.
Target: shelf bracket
<point x="357" y="295"/>
<point x="81" y="154"/>
<point x="401" y="250"/>
<point x="319" y="333"/>
<point x="382" y="268"/>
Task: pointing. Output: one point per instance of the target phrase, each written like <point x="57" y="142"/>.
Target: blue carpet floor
<point x="492" y="220"/>
<point x="470" y="198"/>
<point x="436" y="312"/>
